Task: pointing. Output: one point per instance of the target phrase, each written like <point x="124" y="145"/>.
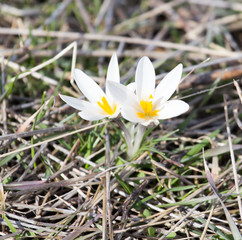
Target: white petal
<point x="169" y="84"/>
<point x="80" y="104"/>
<point x="131" y="86"/>
<point x="148" y="122"/>
<point x="88" y="87"/>
<point x="130" y="114"/>
<point x="75" y="102"/>
<point x="116" y="113"/>
<point x="145" y="78"/>
<point x="91" y="116"/>
<point x="112" y="74"/>
<point x="124" y="96"/>
<point x="113" y="69"/>
<point x="172" y="109"/>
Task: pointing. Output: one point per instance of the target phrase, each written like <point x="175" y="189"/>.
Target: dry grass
<point x="66" y="178"/>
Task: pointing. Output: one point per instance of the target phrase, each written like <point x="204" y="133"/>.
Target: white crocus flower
<point x="100" y="105"/>
<point x="149" y="104"/>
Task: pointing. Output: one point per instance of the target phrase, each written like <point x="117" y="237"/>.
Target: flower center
<point x="106" y="107"/>
<point x="147" y="107"/>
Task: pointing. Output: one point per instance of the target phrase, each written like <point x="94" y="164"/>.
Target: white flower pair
<point x="139" y="103"/>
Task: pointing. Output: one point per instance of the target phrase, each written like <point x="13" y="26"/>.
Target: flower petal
<point x="88" y="87"/>
<point x="145" y="79"/>
<point x="148" y="122"/>
<point x="112" y="75"/>
<point x="91" y="116"/>
<point x="113" y="69"/>
<point x="172" y="109"/>
<point x="81" y="105"/>
<point x="75" y="102"/>
<point x="169" y="84"/>
<point x="123" y="95"/>
<point x="130" y="114"/>
<point x="131" y="86"/>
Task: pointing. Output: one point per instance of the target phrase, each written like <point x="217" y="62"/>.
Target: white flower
<point x="100" y="105"/>
<point x="149" y="104"/>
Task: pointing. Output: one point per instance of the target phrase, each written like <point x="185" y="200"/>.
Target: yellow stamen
<point x="106" y="107"/>
<point x="147" y="106"/>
